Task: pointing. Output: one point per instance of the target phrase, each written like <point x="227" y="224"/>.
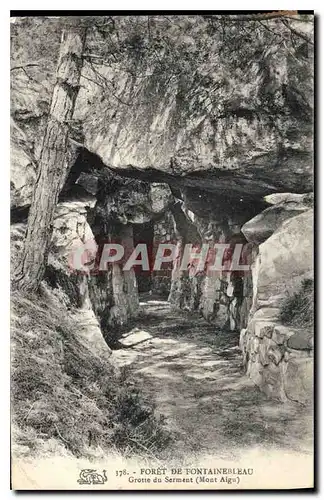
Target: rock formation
<point x="220" y="152"/>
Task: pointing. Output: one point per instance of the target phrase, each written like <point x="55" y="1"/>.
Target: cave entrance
<point x="144" y="233"/>
<point x="152" y="233"/>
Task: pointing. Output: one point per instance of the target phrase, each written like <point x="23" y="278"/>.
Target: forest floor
<point x="194" y="374"/>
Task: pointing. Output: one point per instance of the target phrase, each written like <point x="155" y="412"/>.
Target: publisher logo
<point x="91" y="476"/>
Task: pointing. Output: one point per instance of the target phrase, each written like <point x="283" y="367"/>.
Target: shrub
<point x="298" y="307"/>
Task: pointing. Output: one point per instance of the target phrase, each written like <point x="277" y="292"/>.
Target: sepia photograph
<point x="162" y="250"/>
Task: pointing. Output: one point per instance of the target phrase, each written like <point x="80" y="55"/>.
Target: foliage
<point x="207" y="51"/>
<point x="298" y="307"/>
<point x="63" y="391"/>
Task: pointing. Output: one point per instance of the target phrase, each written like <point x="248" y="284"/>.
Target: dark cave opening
<point x="144" y="233"/>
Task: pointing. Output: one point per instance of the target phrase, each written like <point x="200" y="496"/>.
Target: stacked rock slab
<point x="278" y="358"/>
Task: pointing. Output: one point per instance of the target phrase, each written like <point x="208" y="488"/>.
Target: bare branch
<point x="93" y="81"/>
<point x="23" y="66"/>
<point x="103" y="82"/>
<point x="76" y="143"/>
<point x="172" y="22"/>
<point x="270" y="30"/>
<point x="298" y="19"/>
<point x="297" y="33"/>
<point x="258" y="17"/>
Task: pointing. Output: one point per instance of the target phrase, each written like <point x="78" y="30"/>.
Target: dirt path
<point x="194" y="374"/>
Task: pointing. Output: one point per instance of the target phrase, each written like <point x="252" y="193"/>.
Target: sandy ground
<point x="195" y="375"/>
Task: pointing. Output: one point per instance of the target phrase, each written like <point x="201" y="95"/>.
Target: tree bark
<point x="53" y="161"/>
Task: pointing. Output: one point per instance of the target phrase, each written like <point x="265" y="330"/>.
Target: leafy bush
<point x="298" y="307"/>
<point x="62" y="391"/>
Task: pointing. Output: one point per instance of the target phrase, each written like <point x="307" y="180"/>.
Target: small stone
<point x="273" y="381"/>
<point x="263" y="329"/>
<point x="267" y="313"/>
<point x="298" y="379"/>
<point x="263" y="353"/>
<point x="253" y="356"/>
<point x="281" y="333"/>
<point x="266" y="331"/>
<point x="255" y="343"/>
<point x="302" y="340"/>
<point x="248" y="343"/>
<point x="254" y="371"/>
<point x="243" y="339"/>
<point x="275" y="354"/>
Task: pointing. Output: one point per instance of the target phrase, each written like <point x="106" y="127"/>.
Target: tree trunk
<point x="53" y="162"/>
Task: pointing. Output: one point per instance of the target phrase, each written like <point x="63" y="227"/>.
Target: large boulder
<point x="125" y="201"/>
<point x="284" y="206"/>
<point x="299" y="199"/>
<point x="286" y="255"/>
